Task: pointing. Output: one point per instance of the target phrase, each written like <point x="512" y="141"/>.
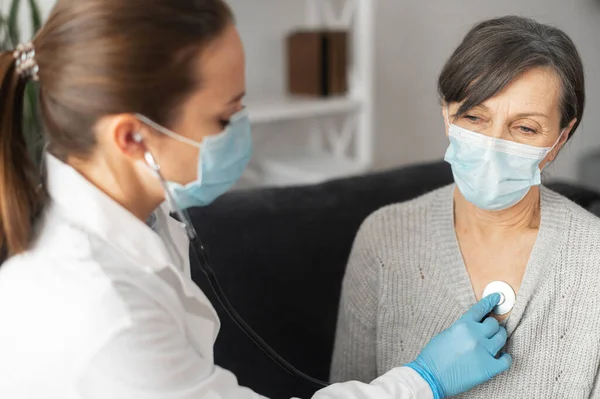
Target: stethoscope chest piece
<point x="507" y="294"/>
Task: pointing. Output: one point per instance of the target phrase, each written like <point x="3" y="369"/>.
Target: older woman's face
<point x="527" y="111"/>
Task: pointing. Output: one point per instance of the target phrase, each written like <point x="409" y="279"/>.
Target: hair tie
<point x="26" y="64"/>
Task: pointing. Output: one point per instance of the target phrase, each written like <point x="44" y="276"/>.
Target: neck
<point x="523" y="216"/>
<point x="120" y="181"/>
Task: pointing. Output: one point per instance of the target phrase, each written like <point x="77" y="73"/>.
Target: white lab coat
<point x="104" y="307"/>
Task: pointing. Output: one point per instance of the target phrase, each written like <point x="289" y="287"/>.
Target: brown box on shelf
<point x="317" y="63"/>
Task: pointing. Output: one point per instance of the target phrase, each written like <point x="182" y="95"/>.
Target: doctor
<point x="139" y="97"/>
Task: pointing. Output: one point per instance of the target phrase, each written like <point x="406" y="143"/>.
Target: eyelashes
<point x="521" y="128"/>
<point x="471" y="118"/>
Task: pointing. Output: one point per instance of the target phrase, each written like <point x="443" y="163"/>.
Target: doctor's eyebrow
<point x="237" y="98"/>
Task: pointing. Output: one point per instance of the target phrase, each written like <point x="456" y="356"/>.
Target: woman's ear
<point x="569" y="129"/>
<point x="566" y="132"/>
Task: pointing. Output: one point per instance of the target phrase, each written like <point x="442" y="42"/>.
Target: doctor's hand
<point x="464" y="356"/>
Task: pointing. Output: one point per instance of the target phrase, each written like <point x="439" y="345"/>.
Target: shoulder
<point x="397" y="233"/>
<point x="409" y="216"/>
<point x="393" y="235"/>
<point x="58" y="312"/>
<point x="70" y="318"/>
<point x="71" y="287"/>
<point x="68" y="293"/>
<point x="578" y="261"/>
<point x="577" y="218"/>
<point x="420" y="204"/>
<point x="580" y="229"/>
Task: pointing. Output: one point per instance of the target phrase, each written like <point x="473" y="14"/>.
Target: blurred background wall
<point x="412" y="41"/>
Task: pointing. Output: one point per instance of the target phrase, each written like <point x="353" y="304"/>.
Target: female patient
<point x="512" y="96"/>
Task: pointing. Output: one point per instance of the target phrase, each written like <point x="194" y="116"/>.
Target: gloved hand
<point x="464" y="356"/>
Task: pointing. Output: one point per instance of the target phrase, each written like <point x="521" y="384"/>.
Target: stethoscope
<point x="506" y="304"/>
<point x="202" y="259"/>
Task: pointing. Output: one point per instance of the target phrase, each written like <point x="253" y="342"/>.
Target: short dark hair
<point x="496" y="51"/>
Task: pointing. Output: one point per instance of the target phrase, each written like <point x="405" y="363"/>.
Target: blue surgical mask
<point x="221" y="162"/>
<point x="492" y="173"/>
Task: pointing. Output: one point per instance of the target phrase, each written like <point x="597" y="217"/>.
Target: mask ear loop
<point x="167" y="132"/>
<point x="553" y="147"/>
<point x="557" y="140"/>
<point x="181" y="214"/>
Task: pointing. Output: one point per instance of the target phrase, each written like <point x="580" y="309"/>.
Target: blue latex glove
<point x="464" y="356"/>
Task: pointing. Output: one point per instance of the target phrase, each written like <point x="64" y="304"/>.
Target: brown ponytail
<point x="19" y="197"/>
<point x="97" y="58"/>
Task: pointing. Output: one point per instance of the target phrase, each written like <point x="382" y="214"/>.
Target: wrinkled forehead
<point x="535" y="91"/>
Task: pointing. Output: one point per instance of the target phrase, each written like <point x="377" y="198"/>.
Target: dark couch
<point x="280" y="256"/>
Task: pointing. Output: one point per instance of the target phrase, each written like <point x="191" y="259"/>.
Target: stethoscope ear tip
<point x="137" y="137"/>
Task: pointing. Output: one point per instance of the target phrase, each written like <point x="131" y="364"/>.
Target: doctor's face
<point x="207" y="111"/>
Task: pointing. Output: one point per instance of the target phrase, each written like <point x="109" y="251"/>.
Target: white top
<point x="104" y="307"/>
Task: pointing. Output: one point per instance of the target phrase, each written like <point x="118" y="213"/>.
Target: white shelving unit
<point x="294" y="108"/>
<point x="333" y="149"/>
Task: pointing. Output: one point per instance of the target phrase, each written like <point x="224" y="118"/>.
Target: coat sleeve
<point x="147" y="355"/>
<point x="399" y="383"/>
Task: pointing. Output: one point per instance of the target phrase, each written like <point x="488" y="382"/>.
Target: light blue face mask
<point x="492" y="173"/>
<point x="221" y="161"/>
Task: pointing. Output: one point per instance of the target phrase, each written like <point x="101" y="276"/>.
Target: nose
<point x="498" y="131"/>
